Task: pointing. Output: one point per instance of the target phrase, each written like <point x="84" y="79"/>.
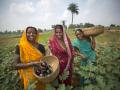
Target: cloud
<point x="65" y="15"/>
<point x="22" y="8"/>
<point x="49" y="6"/>
<point x="41" y="13"/>
<point x="91" y="3"/>
<point x="100" y="12"/>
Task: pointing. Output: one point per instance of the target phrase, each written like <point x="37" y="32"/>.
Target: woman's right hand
<point x="82" y="56"/>
<point x="79" y="54"/>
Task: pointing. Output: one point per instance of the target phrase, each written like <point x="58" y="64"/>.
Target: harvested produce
<point x="43" y="69"/>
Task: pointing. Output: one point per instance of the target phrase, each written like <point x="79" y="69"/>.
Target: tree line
<point x="71" y="26"/>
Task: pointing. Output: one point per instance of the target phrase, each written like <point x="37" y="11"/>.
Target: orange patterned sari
<point x="28" y="53"/>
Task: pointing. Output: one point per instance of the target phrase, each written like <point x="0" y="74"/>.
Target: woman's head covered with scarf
<point x="29" y="53"/>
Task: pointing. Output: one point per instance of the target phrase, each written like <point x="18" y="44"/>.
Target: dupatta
<point x="64" y="54"/>
<point x="28" y="53"/>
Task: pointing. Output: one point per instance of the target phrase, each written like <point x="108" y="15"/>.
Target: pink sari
<point x="64" y="55"/>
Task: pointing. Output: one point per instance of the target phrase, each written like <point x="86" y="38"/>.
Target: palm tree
<point x="73" y="8"/>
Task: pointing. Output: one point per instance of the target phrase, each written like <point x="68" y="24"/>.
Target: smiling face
<point x="79" y="34"/>
<point x="31" y="34"/>
<point x="59" y="33"/>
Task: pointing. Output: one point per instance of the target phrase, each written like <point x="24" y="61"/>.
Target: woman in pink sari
<point x="61" y="47"/>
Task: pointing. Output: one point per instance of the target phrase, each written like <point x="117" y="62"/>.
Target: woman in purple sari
<point x="61" y="47"/>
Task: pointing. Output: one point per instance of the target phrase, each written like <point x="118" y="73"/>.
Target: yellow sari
<point x="28" y="53"/>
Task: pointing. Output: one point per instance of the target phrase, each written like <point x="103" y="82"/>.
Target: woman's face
<point x="79" y="35"/>
<point x="59" y="33"/>
<point x="31" y="34"/>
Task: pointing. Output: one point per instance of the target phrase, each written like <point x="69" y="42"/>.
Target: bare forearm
<point x="17" y="64"/>
<point x="93" y="43"/>
<point x="22" y="66"/>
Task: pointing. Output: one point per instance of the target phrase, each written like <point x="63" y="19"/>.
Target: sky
<point x="18" y="14"/>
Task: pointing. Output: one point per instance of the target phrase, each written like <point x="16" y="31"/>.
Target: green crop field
<point x="107" y="69"/>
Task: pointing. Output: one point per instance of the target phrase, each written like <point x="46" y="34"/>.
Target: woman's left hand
<point x="67" y="68"/>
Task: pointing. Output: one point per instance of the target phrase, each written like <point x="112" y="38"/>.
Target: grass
<point x="103" y="39"/>
<point x="108" y="38"/>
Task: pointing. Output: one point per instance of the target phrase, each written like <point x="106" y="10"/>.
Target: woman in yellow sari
<point x="28" y="54"/>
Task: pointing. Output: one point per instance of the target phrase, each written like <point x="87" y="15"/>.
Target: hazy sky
<point x="17" y="14"/>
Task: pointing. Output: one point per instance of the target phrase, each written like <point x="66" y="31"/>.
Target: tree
<point x="40" y="30"/>
<point x="18" y="31"/>
<point x="53" y="26"/>
<point x="73" y="8"/>
<point x="81" y="25"/>
<point x="87" y="25"/>
<point x="64" y="24"/>
<point x="112" y="25"/>
<point x="72" y="26"/>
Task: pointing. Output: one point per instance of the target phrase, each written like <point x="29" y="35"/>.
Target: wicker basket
<point x="54" y="63"/>
<point x="94" y="31"/>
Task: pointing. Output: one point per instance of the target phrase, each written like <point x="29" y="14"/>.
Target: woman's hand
<point x="76" y="53"/>
<point x="82" y="56"/>
<point x="67" y="68"/>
